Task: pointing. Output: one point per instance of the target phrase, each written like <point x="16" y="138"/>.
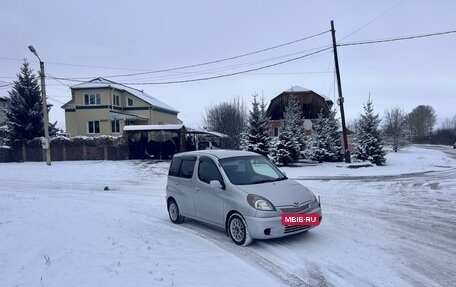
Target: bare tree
<point x="395" y="131"/>
<point x="449" y="124"/>
<point x="228" y="118"/>
<point x="446" y="134"/>
<point x="422" y="120"/>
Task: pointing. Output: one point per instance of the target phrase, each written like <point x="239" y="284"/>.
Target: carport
<point x="163" y="141"/>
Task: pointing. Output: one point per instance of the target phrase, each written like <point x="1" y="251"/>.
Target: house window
<point x="92" y="99"/>
<point x="116" y="100"/>
<point x="129" y="102"/>
<point x="93" y="127"/>
<point x="115" y="126"/>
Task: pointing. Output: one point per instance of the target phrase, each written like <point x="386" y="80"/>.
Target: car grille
<point x="298" y="209"/>
<point x="290" y="229"/>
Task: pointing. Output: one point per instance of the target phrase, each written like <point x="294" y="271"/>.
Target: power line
<point x="144" y="71"/>
<point x="227" y="68"/>
<point x="56" y="79"/>
<point x="373" y="20"/>
<point x="212" y="71"/>
<point x="56" y="100"/>
<point x="395" y="39"/>
<point x="6" y="85"/>
<point x="289" y="60"/>
<point x="59" y="79"/>
<point x="224" y="59"/>
<point x="204" y="63"/>
<point x="231" y="74"/>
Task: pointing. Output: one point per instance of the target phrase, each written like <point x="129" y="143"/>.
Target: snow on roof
<point x="104" y="83"/>
<point x="203" y="131"/>
<point x="222" y="153"/>
<point x="168" y="127"/>
<point x="172" y="127"/>
<point x="326" y="98"/>
<point x="297" y="89"/>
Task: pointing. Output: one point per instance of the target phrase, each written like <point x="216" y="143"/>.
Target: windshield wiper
<point x="263" y="181"/>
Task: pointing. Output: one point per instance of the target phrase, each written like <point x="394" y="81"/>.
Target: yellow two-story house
<point x="104" y="107"/>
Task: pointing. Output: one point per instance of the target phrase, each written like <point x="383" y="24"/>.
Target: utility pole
<point x="340" y="100"/>
<point x="46" y="144"/>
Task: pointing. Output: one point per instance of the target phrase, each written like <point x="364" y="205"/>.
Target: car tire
<point x="174" y="214"/>
<point x="237" y="230"/>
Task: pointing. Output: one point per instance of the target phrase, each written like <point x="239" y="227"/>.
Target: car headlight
<point x="260" y="203"/>
<point x="314" y="201"/>
<point x="312" y="196"/>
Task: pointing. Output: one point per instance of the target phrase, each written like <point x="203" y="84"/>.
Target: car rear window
<point x="175" y="165"/>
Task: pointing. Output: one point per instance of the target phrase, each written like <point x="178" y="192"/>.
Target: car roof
<point x="219" y="153"/>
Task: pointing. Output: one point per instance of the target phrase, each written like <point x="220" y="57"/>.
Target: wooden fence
<point x="63" y="148"/>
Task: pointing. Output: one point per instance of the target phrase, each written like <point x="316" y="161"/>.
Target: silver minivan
<point x="241" y="192"/>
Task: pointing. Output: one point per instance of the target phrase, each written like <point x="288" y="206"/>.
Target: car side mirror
<point x="283" y="173"/>
<point x="215" y="184"/>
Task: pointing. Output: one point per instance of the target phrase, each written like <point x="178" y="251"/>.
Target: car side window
<point x="182" y="166"/>
<point x="207" y="171"/>
<point x="186" y="168"/>
<point x="175" y="165"/>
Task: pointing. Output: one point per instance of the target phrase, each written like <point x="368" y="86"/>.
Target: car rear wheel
<point x="174" y="213"/>
<point x="237" y="229"/>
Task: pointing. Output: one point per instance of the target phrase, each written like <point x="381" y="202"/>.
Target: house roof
<point x="105" y="83"/>
<point x="311" y="102"/>
<point x="299" y="89"/>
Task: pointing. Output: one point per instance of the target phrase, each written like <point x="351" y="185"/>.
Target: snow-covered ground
<point x="383" y="226"/>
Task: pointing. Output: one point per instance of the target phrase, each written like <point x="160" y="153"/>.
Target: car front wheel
<point x="174" y="213"/>
<point x="237" y="229"/>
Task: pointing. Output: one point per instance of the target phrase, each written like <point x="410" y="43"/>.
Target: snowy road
<point x="59" y="228"/>
<point x="376" y="232"/>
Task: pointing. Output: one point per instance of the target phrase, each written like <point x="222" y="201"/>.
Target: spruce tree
<point x="286" y="147"/>
<point x="264" y="126"/>
<point x="292" y="129"/>
<point x="325" y="143"/>
<point x="369" y="144"/>
<point x="256" y="137"/>
<point x="23" y="111"/>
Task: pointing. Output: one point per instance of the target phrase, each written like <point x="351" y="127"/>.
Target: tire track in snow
<point x="247" y="254"/>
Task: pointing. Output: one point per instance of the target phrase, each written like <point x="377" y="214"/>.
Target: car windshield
<point x="245" y="170"/>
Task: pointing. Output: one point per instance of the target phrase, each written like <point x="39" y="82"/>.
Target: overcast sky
<point x="88" y="39"/>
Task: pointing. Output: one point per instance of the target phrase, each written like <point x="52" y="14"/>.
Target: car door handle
<point x="197" y="189"/>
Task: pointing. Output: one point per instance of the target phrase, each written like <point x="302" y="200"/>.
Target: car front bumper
<point x="271" y="227"/>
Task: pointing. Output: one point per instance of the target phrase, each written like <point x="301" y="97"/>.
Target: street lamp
<point x="46" y="144"/>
